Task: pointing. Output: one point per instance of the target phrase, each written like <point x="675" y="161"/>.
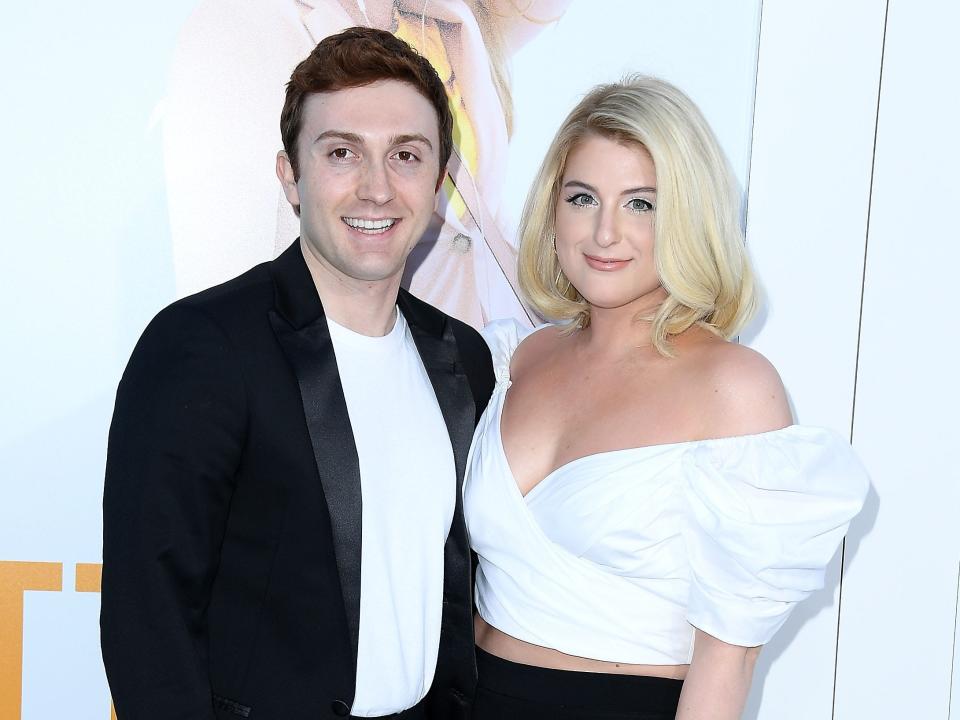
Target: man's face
<point x="368" y="178"/>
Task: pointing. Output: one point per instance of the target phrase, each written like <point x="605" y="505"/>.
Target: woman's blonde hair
<point x="699" y="251"/>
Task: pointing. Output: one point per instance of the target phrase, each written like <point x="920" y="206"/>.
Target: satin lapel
<point x="303" y="334"/>
<point x="437" y="346"/>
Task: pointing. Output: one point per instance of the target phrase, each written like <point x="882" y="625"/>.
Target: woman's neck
<point x="621" y="331"/>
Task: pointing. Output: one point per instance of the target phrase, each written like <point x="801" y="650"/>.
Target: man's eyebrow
<point x="358" y="140"/>
<point x="411" y="138"/>
<point x="339" y="135"/>
<point x="591" y="188"/>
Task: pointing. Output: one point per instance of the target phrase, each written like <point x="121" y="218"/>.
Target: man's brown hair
<point x="356" y="57"/>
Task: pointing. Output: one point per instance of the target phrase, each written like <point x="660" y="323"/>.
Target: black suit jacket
<point x="232" y="511"/>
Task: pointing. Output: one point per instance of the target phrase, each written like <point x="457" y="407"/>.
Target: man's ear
<point x="287" y="180"/>
<point x="436" y="190"/>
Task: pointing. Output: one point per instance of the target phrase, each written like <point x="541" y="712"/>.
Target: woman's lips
<point x="605" y="264"/>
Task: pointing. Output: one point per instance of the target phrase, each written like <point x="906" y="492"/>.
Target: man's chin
<point x="376" y="273"/>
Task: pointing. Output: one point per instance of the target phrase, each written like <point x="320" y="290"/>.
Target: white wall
<point x="84" y="257"/>
<point x="897" y="624"/>
<point x="818" y="71"/>
<point x="853" y="189"/>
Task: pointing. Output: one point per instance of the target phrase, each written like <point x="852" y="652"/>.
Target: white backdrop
<point x="898" y="651"/>
<point x="847" y="221"/>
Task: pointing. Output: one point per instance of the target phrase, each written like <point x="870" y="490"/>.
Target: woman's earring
<point x="565" y="290"/>
<point x="562" y="290"/>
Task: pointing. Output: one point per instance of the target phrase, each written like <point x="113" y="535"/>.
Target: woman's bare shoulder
<point x="742" y="390"/>
<point x="534" y="349"/>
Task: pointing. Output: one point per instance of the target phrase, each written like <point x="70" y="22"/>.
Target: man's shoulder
<point x="252" y="289"/>
<point x="220" y="311"/>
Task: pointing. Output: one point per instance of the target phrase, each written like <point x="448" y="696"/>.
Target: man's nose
<point x="375" y="183"/>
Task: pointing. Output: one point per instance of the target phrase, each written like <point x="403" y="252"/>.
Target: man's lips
<point x="370" y="226"/>
<point x="605" y="264"/>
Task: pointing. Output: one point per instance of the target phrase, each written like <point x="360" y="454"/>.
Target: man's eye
<point x="405" y="156"/>
<point x="640" y="205"/>
<point x="340" y="153"/>
<point x="581" y="200"/>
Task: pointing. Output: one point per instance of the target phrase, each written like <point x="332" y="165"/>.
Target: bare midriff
<point x="510" y="648"/>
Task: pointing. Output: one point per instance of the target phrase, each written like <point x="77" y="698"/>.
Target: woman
<point x="644" y="511"/>
<point x="226" y="90"/>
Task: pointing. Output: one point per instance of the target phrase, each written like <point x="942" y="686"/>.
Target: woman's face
<point x="604" y="224"/>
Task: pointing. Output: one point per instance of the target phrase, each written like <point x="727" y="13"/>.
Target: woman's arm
<point x="746" y="397"/>
<point x="718" y="681"/>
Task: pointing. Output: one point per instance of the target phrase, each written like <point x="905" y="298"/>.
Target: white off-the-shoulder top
<point x="619" y="555"/>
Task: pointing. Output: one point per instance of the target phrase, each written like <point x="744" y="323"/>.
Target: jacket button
<point x="340" y="708"/>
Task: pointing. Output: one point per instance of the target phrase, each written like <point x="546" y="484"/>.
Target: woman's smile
<point x="605" y="264"/>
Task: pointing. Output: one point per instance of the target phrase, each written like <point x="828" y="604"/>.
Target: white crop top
<point x="617" y="556"/>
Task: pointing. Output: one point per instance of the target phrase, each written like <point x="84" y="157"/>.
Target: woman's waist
<point x="505" y="646"/>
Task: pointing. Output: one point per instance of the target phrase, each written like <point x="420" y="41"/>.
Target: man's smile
<point x="370" y="226"/>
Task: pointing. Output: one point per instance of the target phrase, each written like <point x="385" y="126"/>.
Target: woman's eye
<point x="581" y="200"/>
<point x="640" y="205"/>
<point x="405" y="156"/>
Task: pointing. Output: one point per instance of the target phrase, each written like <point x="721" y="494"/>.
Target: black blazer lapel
<point x="438" y="350"/>
<point x="437" y="346"/>
<point x="301" y="329"/>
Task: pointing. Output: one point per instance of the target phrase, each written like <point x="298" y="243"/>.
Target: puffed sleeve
<point x="503" y="336"/>
<point x="765" y="514"/>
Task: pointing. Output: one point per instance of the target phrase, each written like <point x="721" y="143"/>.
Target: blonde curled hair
<point x="699" y="250"/>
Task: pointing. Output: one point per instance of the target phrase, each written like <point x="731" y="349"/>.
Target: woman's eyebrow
<point x="591" y="188"/>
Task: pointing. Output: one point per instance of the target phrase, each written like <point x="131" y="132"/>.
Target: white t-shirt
<point x="408" y="484"/>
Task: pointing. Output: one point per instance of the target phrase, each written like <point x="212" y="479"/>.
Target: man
<point x="283" y="530"/>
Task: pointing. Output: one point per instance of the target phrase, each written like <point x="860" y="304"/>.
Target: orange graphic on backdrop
<point x="15" y="579"/>
<point x="88" y="577"/>
<point x="88" y="580"/>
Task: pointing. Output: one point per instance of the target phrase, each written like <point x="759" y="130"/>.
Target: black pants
<point x="511" y="691"/>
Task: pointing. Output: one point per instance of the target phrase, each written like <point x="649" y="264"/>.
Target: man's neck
<point x="367" y="308"/>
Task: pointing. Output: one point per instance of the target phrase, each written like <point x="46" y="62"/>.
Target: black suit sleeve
<point x="175" y="442"/>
